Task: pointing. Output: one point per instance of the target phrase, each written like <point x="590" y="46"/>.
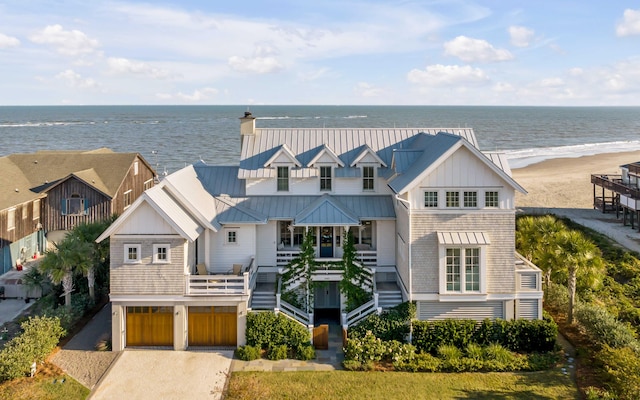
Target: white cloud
<point x="630" y="24"/>
<point x="69" y="43"/>
<point x="475" y="50"/>
<point x="76" y="80"/>
<point x="443" y="75"/>
<point x="8" y="41"/>
<point x="520" y="36"/>
<point x="125" y="66"/>
<point x="198" y="95"/>
<point x="551" y="82"/>
<point x="365" y="89"/>
<point x="308" y="76"/>
<point x="257" y="65"/>
<point x="503" y="87"/>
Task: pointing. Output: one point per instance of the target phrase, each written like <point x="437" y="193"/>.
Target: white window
<point x="368" y="178"/>
<point x="453" y="199"/>
<point x="132" y="253"/>
<point x="363" y="235"/>
<point x="148" y="184"/>
<point x="462" y="270"/>
<point x="491" y="199"/>
<point x="431" y="199"/>
<point x="25" y="211"/>
<point x="291" y="235"/>
<point x="325" y="179"/>
<point x="11" y="219"/>
<point x="74" y="205"/>
<point x="135" y="168"/>
<point x="127" y="198"/>
<point x="231" y="237"/>
<point x="283" y="179"/>
<point x="161" y="253"/>
<point x="470" y="199"/>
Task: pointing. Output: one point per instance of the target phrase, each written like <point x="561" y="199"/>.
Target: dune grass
<point x="398" y="385"/>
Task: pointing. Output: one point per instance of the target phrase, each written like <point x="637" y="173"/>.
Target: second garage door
<point x="213" y="326"/>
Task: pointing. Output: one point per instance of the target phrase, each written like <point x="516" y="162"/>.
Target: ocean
<point x="170" y="137"/>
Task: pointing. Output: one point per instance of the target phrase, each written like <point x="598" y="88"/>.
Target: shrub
<point x="279" y="352"/>
<point x="267" y="329"/>
<point x="603" y="328"/>
<point x="429" y="335"/>
<point x="556" y="297"/>
<point x="248" y="353"/>
<point x="368" y="348"/>
<point x="622" y="368"/>
<point x="499" y="359"/>
<point x="392" y="324"/>
<point x="449" y="352"/>
<point x="422" y="362"/>
<point x="305" y="352"/>
<point x="39" y="337"/>
<point x="474" y="351"/>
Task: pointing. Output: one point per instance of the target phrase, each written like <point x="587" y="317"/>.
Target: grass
<point x="399" y="385"/>
<point x="42" y="386"/>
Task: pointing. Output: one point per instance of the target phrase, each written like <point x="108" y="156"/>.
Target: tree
<point x="60" y="263"/>
<point x="99" y="254"/>
<point x="573" y="250"/>
<point x="354" y="276"/>
<point x="303" y="267"/>
<point x="534" y="240"/>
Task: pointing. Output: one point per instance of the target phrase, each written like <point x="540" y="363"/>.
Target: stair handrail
<point x="294" y="312"/>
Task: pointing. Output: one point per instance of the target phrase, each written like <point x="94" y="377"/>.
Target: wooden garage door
<point x="149" y="326"/>
<point x="213" y="326"/>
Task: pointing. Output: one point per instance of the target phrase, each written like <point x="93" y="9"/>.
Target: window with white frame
<point x="368" y="178"/>
<point x="291" y="235"/>
<point x="127" y="198"/>
<point x="11" y="219"/>
<point x="453" y="199"/>
<point x="325" y="178"/>
<point x="431" y="199"/>
<point x="132" y="253"/>
<point x="231" y="236"/>
<point x="161" y="253"/>
<point x="36" y="209"/>
<point x="363" y="235"/>
<point x="470" y="199"/>
<point x="135" y="168"/>
<point x="283" y="179"/>
<point x="25" y="211"/>
<point x="148" y="184"/>
<point x="462" y="270"/>
<point x="491" y="199"/>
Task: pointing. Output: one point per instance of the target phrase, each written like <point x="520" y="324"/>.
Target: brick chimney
<point x="247" y="126"/>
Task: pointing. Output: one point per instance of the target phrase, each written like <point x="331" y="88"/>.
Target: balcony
<point x="368" y="258"/>
<point x="223" y="284"/>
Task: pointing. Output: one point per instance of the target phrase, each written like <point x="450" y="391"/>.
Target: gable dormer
<point x="326" y="156"/>
<point x="283" y="157"/>
<point x="367" y="157"/>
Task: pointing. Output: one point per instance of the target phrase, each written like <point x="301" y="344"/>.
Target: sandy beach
<point x="566" y="182"/>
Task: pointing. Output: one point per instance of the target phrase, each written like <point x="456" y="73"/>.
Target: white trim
<point x="157" y="246"/>
<point x="286" y="151"/>
<point x="138" y="248"/>
<point x="236" y="236"/>
<point x="442" y="268"/>
<point x="147" y="236"/>
<point x="326" y="149"/>
<point x="364" y="152"/>
<point x="124" y="198"/>
<point x="9" y="212"/>
<point x="479" y="297"/>
<point x="142" y="300"/>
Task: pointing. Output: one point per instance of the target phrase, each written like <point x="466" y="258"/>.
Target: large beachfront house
<point x="46" y="193"/>
<point x="432" y="218"/>
<point x="619" y="193"/>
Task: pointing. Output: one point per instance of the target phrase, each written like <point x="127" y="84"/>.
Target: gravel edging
<point x="87" y="367"/>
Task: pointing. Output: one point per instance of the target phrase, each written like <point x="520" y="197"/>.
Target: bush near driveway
<point x="270" y="331"/>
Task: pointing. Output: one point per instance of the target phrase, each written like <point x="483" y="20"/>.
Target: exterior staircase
<point x="263" y="300"/>
<point x="389" y="298"/>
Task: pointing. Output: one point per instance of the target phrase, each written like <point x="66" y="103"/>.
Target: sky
<point x="320" y="52"/>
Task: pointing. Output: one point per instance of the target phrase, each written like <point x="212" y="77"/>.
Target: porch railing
<point x="361" y="312"/>
<point x="368" y="258"/>
<point x="222" y="284"/>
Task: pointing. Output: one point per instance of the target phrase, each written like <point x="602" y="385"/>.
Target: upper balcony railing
<point x="615" y="184"/>
<point x="368" y="258"/>
<point x="222" y="284"/>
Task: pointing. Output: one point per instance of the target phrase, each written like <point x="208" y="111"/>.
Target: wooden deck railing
<point x="615" y="184"/>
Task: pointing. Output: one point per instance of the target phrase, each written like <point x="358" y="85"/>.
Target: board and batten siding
<point x="266" y="244"/>
<point x="147" y="277"/>
<point x="429" y="310"/>
<point x="134" y="182"/>
<point x="97" y="205"/>
<point x="402" y="242"/>
<point x="386" y="242"/>
<point x="224" y="255"/>
<point x="145" y="221"/>
<point x="500" y="257"/>
<point x="24" y="233"/>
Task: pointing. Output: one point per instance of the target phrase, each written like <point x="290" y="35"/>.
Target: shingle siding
<point x="146" y="277"/>
<point x="500" y="254"/>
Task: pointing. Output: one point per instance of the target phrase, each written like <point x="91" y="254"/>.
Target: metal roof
<point x="346" y="143"/>
<point x="326" y="210"/>
<point x="463" y="238"/>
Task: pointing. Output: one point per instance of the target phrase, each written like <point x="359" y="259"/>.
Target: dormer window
<point x="368" y="179"/>
<point x="325" y="178"/>
<point x="283" y="179"/>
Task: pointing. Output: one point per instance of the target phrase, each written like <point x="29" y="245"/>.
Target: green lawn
<point x="42" y="386"/>
<point x="399" y="385"/>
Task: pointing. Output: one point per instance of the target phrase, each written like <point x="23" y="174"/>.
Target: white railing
<point x="211" y="285"/>
<point x="284" y="257"/>
<point x="293" y="312"/>
<point x="368" y="258"/>
<point x="361" y="312"/>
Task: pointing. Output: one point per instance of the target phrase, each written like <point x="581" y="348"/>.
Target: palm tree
<point x="60" y="263"/>
<point x="576" y="252"/>
<point x="88" y="233"/>
<point x="534" y="239"/>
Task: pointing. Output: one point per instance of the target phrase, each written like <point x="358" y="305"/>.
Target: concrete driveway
<point x="165" y="374"/>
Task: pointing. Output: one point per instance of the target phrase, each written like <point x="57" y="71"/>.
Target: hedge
<point x="393" y="324"/>
<point x="39" y="337"/>
<point x="270" y="331"/>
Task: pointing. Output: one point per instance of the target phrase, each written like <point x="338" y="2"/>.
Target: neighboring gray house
<point x="432" y="216"/>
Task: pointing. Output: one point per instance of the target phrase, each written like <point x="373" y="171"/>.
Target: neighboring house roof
<point x="345" y="143"/>
<point x="32" y="174"/>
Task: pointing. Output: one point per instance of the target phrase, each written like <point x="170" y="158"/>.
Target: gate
<point x="321" y="337"/>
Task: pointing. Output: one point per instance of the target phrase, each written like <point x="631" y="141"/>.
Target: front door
<point x="326" y="241"/>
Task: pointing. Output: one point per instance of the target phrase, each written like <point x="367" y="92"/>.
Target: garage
<point x="213" y="326"/>
<point x="149" y="326"/>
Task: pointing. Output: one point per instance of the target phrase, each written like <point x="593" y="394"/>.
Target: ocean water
<point x="170" y="137"/>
